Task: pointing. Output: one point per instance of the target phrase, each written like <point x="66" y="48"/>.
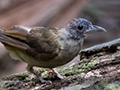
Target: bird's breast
<point x="69" y="49"/>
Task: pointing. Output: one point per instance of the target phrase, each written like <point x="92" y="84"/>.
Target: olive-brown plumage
<point x="46" y="47"/>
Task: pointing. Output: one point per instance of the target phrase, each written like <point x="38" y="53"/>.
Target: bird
<point x="47" y="47"/>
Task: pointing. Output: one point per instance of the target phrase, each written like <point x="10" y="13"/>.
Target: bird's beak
<point x="95" y="28"/>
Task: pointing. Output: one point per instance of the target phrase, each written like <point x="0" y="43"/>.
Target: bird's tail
<point x="3" y="38"/>
<point x="11" y="37"/>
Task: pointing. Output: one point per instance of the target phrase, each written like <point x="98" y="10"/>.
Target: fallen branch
<point x="107" y="47"/>
<point x="103" y="66"/>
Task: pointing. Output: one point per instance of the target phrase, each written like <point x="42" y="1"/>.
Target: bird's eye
<point x="80" y="27"/>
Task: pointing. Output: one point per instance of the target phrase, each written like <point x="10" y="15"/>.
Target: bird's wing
<point x="43" y="42"/>
<point x="39" y="42"/>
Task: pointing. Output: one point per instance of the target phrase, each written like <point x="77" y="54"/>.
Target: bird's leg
<point x="57" y="74"/>
<point x="31" y="70"/>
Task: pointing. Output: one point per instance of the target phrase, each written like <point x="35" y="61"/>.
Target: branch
<point x="107" y="47"/>
<point x="103" y="66"/>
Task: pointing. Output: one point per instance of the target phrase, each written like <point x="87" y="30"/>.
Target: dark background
<point x="57" y="13"/>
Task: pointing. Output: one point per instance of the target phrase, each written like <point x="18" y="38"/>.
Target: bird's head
<point x="80" y="28"/>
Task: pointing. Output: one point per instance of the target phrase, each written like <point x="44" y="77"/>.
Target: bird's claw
<point x="45" y="81"/>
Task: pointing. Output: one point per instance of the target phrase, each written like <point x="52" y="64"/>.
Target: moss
<point x="20" y="76"/>
<point x="101" y="86"/>
<point x="113" y="56"/>
<point x="104" y="86"/>
<point x="41" y="70"/>
<point x="112" y="86"/>
<point x="76" y="71"/>
<point x="89" y="66"/>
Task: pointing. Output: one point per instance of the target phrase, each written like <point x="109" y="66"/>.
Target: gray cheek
<point x="73" y="31"/>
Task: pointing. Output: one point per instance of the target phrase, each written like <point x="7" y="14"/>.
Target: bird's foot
<point x="57" y="74"/>
<point x="45" y="81"/>
<point x="30" y="69"/>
